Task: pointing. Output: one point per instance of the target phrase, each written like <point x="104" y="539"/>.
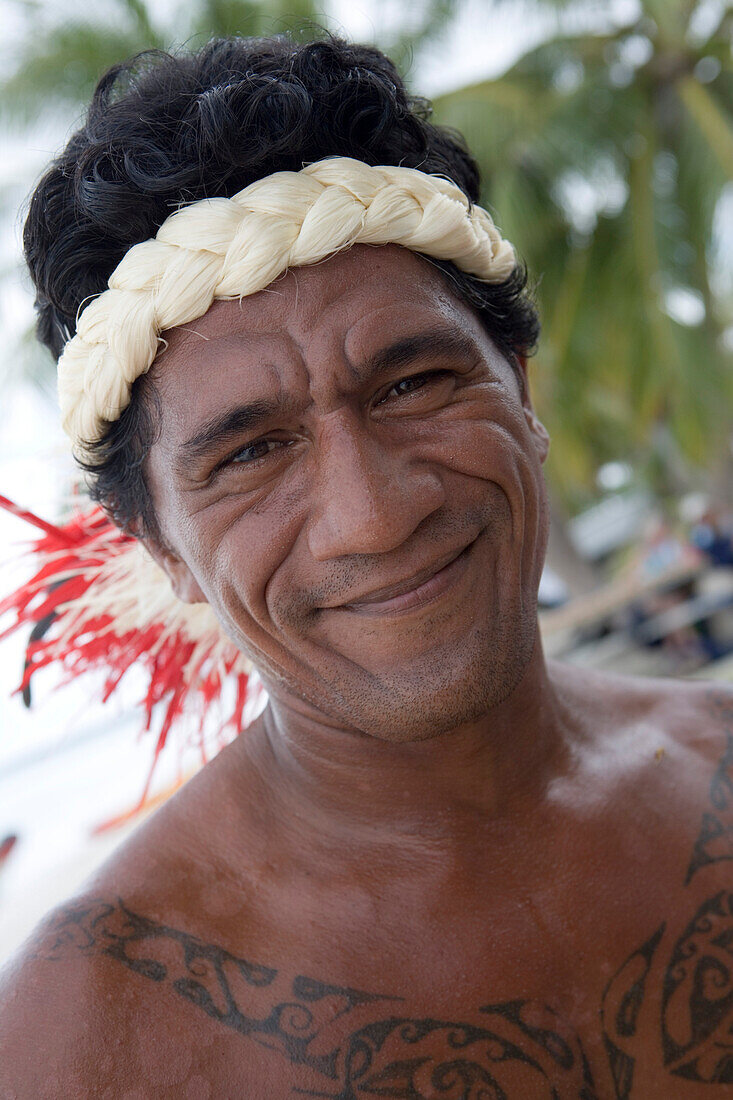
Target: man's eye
<point x="259" y="449"/>
<point x="415" y="382"/>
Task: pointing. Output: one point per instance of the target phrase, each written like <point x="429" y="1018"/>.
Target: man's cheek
<point x="501" y="452"/>
<point x="236" y="562"/>
<point x="477" y="445"/>
<point x="254" y="638"/>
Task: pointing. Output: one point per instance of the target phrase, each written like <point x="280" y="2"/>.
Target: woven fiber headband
<point x="229" y="248"/>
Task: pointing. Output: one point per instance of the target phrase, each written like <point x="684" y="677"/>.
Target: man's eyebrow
<point x="234" y="422"/>
<point x="226" y="426"/>
<point x="442" y="341"/>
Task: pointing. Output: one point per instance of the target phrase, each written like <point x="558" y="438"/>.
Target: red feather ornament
<point x="98" y="601"/>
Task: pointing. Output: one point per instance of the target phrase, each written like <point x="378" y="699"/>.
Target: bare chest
<point x="643" y="1012"/>
<point x="597" y="965"/>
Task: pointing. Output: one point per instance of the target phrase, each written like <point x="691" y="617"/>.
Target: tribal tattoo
<point x="696" y="1034"/>
<point x="622" y="1001"/>
<point x="697" y="996"/>
<point x="361" y="1044"/>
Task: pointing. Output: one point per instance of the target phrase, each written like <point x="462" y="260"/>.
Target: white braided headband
<point x="229" y="248"/>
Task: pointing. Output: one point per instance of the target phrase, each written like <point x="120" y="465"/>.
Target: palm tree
<point x="606" y="156"/>
<point x="61" y="59"/>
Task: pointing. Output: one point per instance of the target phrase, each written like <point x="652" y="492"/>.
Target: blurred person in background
<point x="437" y="864"/>
<point x="713" y="534"/>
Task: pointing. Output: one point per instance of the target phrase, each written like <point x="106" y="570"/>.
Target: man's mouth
<point x="420" y="588"/>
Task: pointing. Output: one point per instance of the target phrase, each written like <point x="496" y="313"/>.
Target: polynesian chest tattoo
<point x="363" y="1044"/>
<point x="378" y="1049"/>
<point x="696" y="1024"/>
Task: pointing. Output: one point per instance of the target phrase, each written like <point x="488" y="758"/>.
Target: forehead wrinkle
<point x="323" y="350"/>
<point x="317" y="342"/>
<point x="269" y="376"/>
<point x="308" y="319"/>
<point x="300" y="315"/>
<point x="349" y="271"/>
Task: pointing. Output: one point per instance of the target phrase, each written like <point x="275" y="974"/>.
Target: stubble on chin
<point x="427" y="699"/>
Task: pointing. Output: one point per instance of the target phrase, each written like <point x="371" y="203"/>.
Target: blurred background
<point x="604" y="132"/>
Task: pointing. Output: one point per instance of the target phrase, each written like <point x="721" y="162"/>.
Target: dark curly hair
<point x="165" y="129"/>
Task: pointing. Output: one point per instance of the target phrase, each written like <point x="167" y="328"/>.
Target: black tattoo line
<point x="621" y="1005"/>
<point x="697" y="996"/>
<point x="214" y="980"/>
<point x="362" y="1052"/>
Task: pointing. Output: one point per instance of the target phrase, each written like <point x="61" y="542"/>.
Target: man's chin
<point x="427" y="697"/>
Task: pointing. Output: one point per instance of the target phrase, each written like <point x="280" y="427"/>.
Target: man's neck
<point x="338" y="786"/>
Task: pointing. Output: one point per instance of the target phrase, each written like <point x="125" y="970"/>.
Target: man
<point x="437" y="865"/>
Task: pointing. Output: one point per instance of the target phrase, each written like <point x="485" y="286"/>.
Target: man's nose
<point x="368" y="496"/>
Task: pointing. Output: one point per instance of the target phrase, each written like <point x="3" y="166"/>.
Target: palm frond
<point x="62" y="65"/>
<point x="711" y="119"/>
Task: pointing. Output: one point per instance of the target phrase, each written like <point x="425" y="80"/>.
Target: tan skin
<point x="438" y="865"/>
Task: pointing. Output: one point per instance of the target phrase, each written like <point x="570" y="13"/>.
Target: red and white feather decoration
<point x="98" y="602"/>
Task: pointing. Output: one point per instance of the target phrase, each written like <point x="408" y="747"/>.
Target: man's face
<point x="346" y="471"/>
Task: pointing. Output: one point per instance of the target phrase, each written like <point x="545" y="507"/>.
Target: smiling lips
<point x="419" y="589"/>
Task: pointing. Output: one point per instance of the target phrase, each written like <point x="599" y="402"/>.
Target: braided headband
<point x="229" y="248"/>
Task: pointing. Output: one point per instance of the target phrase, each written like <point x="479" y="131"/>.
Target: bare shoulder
<point x="73" y="997"/>
<point x="57" y="1007"/>
<point x="64" y="1007"/>
<point x="692" y="714"/>
<point x="203" y="839"/>
<point x="666" y="1008"/>
<point x="693" y="717"/>
<point x="693" y="722"/>
<point x="89" y="1007"/>
<point x="659" y="746"/>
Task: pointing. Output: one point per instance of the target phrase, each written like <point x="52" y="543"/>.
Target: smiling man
<point x="437" y="865"/>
